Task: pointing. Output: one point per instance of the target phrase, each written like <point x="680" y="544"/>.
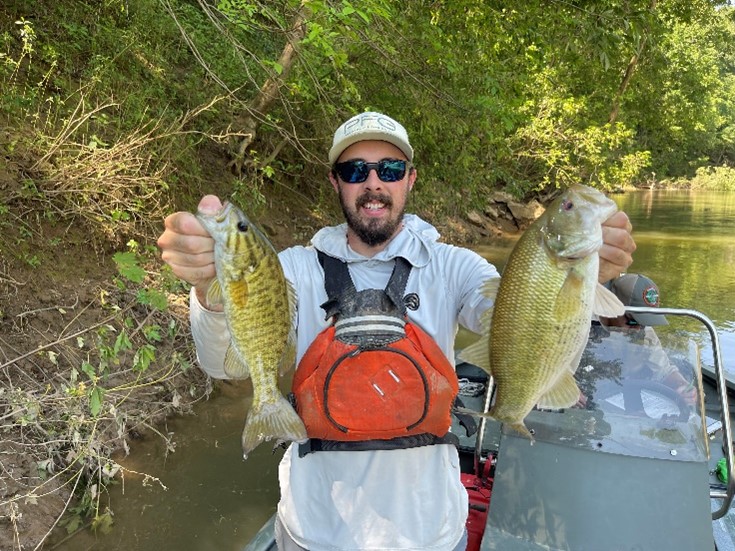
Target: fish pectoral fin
<point x="235" y="367"/>
<point x="565" y="393"/>
<point x="568" y="294"/>
<point x="478" y="353"/>
<point x="606" y="303"/>
<point x="214" y="293"/>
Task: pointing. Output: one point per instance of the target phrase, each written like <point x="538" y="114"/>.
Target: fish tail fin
<point x="272" y="420"/>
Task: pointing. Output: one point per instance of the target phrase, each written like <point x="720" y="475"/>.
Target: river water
<point x="216" y="501"/>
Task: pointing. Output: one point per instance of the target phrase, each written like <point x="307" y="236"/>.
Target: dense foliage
<point x="496" y="95"/>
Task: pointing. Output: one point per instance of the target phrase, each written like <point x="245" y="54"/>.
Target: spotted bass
<point x="259" y="306"/>
<point x="536" y="332"/>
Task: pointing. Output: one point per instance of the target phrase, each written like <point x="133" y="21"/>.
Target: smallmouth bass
<point x="259" y="306"/>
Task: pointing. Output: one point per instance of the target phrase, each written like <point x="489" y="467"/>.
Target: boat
<point x="635" y="467"/>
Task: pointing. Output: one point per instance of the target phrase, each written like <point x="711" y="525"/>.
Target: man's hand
<point x="188" y="248"/>
<point x="616" y="254"/>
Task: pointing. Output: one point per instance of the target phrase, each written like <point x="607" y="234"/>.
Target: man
<point x="405" y="498"/>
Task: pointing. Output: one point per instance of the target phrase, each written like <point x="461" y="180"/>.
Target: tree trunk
<point x="629" y="70"/>
<point x="262" y="103"/>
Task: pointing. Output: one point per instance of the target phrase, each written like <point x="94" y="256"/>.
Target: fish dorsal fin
<point x="214" y="293"/>
<point x="478" y="353"/>
<point x="291" y="295"/>
<point x="235" y="367"/>
<point x="288" y="358"/>
<point x="606" y="303"/>
<point x="563" y="394"/>
<point x="489" y="288"/>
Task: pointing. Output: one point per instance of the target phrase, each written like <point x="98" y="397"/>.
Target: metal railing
<point x="721" y="383"/>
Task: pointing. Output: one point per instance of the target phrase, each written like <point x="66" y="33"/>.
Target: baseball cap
<point x="638" y="290"/>
<point x="370" y="126"/>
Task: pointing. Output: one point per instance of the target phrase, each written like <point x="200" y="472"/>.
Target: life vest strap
<point x="402" y="442"/>
<point x="338" y="283"/>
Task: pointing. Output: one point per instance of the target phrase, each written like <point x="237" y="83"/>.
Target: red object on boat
<point x="479" y="489"/>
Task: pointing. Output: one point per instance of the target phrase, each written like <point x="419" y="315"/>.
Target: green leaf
<point x="89" y="370"/>
<point x="143" y="357"/>
<point x="127" y="266"/>
<point x="122" y="342"/>
<point x="96" y="397"/>
<point x="153" y="298"/>
<point x="152" y="333"/>
<point x="103" y="523"/>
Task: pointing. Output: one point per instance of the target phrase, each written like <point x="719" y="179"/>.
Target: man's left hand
<point x="616" y="254"/>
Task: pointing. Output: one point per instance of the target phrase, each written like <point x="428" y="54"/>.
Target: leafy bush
<point x="718" y="178"/>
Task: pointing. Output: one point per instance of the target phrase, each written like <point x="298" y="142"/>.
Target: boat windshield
<point x="641" y="395"/>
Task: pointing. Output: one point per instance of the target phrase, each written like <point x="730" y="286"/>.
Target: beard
<point x="372" y="232"/>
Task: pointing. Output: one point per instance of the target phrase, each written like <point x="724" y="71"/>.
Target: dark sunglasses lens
<point x="391" y="171"/>
<point x="352" y="172"/>
<point x="356" y="172"/>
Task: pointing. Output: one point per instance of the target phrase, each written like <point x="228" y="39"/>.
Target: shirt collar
<point x="414" y="242"/>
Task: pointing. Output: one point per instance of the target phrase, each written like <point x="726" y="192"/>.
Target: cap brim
<point x="650" y="319"/>
<point x="339" y="148"/>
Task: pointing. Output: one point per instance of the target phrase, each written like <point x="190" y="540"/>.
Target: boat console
<point x="630" y="467"/>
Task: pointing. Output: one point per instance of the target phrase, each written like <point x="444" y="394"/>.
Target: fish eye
<point x="567" y="205"/>
<point x="242" y="226"/>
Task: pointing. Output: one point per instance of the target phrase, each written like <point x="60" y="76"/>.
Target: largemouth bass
<point x="536" y="331"/>
<point x="259" y="305"/>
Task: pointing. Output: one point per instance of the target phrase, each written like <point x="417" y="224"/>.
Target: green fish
<point x="259" y="305"/>
<point x="536" y="332"/>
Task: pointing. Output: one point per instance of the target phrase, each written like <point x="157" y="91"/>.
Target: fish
<point x="259" y="306"/>
<point x="534" y="335"/>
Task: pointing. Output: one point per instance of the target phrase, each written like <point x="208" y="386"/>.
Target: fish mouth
<point x="217" y="216"/>
<point x="224" y="212"/>
<point x="560" y="246"/>
<point x="581" y="253"/>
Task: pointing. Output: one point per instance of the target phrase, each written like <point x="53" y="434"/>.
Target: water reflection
<point x="214" y="500"/>
<point x="685" y="244"/>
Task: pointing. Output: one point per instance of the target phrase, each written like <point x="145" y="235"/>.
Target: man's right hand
<point x="188" y="248"/>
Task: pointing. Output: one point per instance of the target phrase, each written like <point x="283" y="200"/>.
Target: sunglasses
<point x="356" y="172"/>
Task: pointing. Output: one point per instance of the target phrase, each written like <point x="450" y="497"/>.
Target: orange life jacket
<point x="373" y="378"/>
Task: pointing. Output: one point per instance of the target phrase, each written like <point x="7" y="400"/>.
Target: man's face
<point x="373" y="209"/>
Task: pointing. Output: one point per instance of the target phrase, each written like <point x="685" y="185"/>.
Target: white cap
<point x="370" y="126"/>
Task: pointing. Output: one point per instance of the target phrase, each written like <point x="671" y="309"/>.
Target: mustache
<point x="369" y="197"/>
